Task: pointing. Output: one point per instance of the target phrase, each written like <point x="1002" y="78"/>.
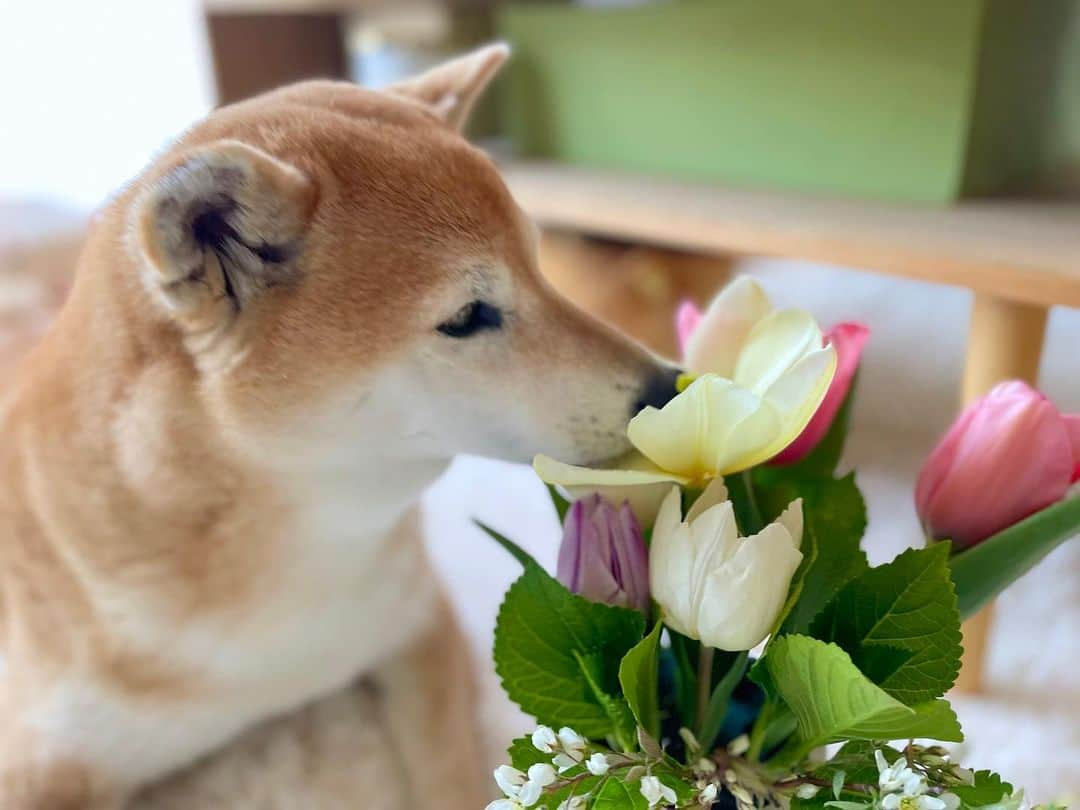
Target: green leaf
<point x="833" y="701"/>
<point x="542" y="632"/>
<point x="615" y="707"/>
<point x="618" y="795"/>
<point x="639" y="677"/>
<point x="855" y="760"/>
<point x="516" y="551"/>
<point x="562" y="506"/>
<point x="985" y="570"/>
<point x="899" y="624"/>
<point x="834" y="522"/>
<point x="987" y="788"/>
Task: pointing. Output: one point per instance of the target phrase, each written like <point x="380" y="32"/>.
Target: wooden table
<point x="1018" y="257"/>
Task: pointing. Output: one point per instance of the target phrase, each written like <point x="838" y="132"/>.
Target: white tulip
<point x="712" y="584"/>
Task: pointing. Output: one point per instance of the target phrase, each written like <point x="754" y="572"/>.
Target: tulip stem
<point x="704" y="681"/>
<point x="754" y="509"/>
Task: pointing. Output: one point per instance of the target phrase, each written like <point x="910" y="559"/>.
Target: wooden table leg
<point x="1005" y="342"/>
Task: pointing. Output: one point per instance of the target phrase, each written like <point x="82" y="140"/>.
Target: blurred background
<point x="914" y="166"/>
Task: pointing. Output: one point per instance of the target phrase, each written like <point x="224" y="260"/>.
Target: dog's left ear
<point x="219" y="227"/>
<point x="451" y="89"/>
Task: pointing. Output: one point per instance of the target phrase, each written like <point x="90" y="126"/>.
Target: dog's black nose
<point x="659" y="390"/>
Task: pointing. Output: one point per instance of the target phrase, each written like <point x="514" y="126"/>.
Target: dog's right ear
<point x="222" y="224"/>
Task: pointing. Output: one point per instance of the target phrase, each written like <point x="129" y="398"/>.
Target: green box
<point x="918" y="100"/>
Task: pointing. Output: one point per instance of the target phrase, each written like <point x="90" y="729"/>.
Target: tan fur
<point x="208" y="465"/>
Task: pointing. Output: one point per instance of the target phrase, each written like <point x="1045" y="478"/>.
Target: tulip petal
<point x="715" y="344"/>
<point x="714" y="539"/>
<point x="792" y="521"/>
<point x="715" y="493"/>
<point x="794" y="398"/>
<point x="848" y="340"/>
<point x="687" y="318"/>
<point x="1072" y="428"/>
<point x="775" y="344"/>
<point x="742" y="598"/>
<point x="750" y="439"/>
<point x="636" y="481"/>
<point x="671" y="565"/>
<point x="705" y="430"/>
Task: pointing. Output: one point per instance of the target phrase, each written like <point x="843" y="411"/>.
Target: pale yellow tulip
<point x="763" y="374"/>
<point x="713" y="585"/>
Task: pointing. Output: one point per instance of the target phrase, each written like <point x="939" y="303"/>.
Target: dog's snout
<point x="659" y="390"/>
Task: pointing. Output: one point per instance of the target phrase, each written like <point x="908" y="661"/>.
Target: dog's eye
<point x="472" y="318"/>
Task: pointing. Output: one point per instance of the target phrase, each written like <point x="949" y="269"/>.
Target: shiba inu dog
<point x="213" y="591"/>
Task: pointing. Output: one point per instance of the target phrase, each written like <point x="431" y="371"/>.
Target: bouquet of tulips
<point x="714" y="629"/>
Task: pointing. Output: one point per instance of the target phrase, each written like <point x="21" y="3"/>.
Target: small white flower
<point x="597" y="764"/>
<point x="539" y="777"/>
<point x="564" y="762"/>
<point x="807" y="791"/>
<point x="739" y="746"/>
<point x="896" y="801"/>
<point x="544" y="740"/>
<point x="705" y="765"/>
<point x="707" y="795"/>
<point x="951" y="800"/>
<point x="572" y="743"/>
<point x="530" y="794"/>
<point x="542" y="773"/>
<point x="573" y="803"/>
<point x="656" y="791"/>
<point x="509" y="779"/>
<point x="504" y="804"/>
<point x="892" y="778"/>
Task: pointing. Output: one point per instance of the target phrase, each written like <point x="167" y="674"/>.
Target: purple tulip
<point x="603" y="556"/>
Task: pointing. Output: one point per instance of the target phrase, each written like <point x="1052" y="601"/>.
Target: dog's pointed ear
<point x="452" y="88"/>
<point x="219" y="226"/>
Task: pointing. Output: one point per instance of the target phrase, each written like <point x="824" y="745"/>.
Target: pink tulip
<point x="849" y="340"/>
<point x="1008" y="455"/>
<point x="687" y="319"/>
<point x="603" y="555"/>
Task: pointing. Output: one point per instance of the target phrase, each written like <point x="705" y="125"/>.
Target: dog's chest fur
<point x="344" y="593"/>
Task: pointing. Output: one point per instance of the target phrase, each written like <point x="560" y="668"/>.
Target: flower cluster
<point x="759" y="375"/>
<point x="729" y="533"/>
<point x="577" y="769"/>
<point x="903" y="788"/>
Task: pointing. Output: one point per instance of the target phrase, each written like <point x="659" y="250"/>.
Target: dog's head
<point x="349" y="274"/>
